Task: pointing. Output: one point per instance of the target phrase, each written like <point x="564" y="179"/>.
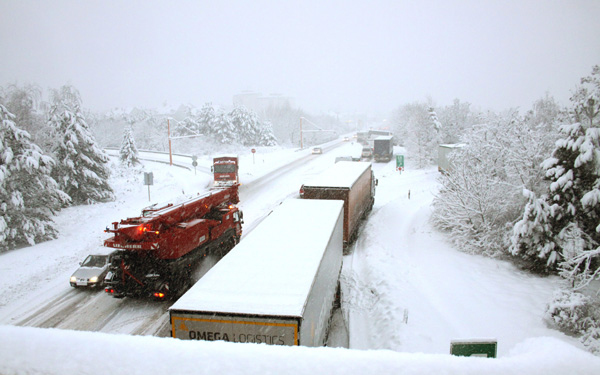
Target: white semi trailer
<point x="277" y="286"/>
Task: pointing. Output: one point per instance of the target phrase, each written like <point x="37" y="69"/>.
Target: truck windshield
<point x="224" y="168"/>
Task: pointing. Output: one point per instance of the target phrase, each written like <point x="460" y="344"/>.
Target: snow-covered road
<point x="36" y="279"/>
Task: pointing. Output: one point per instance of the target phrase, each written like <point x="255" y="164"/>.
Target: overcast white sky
<point x="349" y="56"/>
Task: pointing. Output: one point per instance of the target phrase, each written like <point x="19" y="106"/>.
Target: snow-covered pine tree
<point x="437" y="125"/>
<point x="582" y="253"/>
<point x="128" y="154"/>
<point x="223" y="130"/>
<point x="249" y="130"/>
<point x="29" y="197"/>
<point x="23" y="102"/>
<point x="533" y="238"/>
<point x="562" y="227"/>
<point x="81" y="170"/>
<point x="266" y="135"/>
<point x="246" y="125"/>
<point x="206" y="118"/>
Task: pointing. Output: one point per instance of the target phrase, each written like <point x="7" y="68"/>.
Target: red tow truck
<point x="157" y="251"/>
<point x="225" y="169"/>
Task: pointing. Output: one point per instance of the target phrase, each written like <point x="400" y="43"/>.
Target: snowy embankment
<point x="406" y="293"/>
<point x="410" y="291"/>
<point x="50" y="351"/>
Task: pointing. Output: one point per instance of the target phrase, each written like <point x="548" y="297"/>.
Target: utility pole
<point x="169" y="133"/>
<point x="301" y="140"/>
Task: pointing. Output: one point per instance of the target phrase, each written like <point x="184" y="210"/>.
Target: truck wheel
<point x="226" y="246"/>
<point x="231" y="244"/>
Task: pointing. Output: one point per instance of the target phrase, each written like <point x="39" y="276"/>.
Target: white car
<point x="367" y="152"/>
<point x="91" y="272"/>
<point x="317" y="150"/>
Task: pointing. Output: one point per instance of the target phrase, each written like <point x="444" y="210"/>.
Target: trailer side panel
<point x="319" y="304"/>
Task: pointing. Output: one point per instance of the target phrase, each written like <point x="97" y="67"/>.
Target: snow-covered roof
<point x="342" y="174"/>
<point x="270" y="272"/>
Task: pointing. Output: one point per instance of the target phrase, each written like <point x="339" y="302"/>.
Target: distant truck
<point x="374" y="133"/>
<point x="362" y="137"/>
<point x="225" y="169"/>
<point x="383" y="148"/>
<point x="352" y="182"/>
<point x="444" y="152"/>
<point x="277" y="286"/>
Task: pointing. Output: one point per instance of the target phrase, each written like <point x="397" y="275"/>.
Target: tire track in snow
<point x="382" y="268"/>
<point x="153" y="323"/>
<point x="54" y="312"/>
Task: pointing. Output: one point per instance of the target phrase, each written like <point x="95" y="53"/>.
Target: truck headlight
<point x="93" y="279"/>
<point x="73" y="279"/>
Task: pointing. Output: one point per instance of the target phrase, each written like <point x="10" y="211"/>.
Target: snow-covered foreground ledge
<point x="25" y="350"/>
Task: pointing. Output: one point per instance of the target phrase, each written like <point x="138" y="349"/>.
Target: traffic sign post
<point x="400" y="163"/>
<point x="148" y="180"/>
<point x="253" y="152"/>
<point x="194" y="162"/>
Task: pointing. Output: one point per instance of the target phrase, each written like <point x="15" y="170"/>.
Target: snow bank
<point x="51" y="351"/>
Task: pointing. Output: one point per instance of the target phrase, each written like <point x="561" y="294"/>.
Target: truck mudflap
<point x="241" y="329"/>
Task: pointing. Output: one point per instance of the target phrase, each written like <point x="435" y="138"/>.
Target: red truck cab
<point x="225" y="170"/>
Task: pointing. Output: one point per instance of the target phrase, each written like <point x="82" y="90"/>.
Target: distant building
<point x="259" y="102"/>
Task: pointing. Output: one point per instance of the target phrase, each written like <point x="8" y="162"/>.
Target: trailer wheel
<point x="337" y="301"/>
<point x="353" y="236"/>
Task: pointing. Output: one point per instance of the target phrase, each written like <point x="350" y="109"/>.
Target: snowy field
<point x="406" y="292"/>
